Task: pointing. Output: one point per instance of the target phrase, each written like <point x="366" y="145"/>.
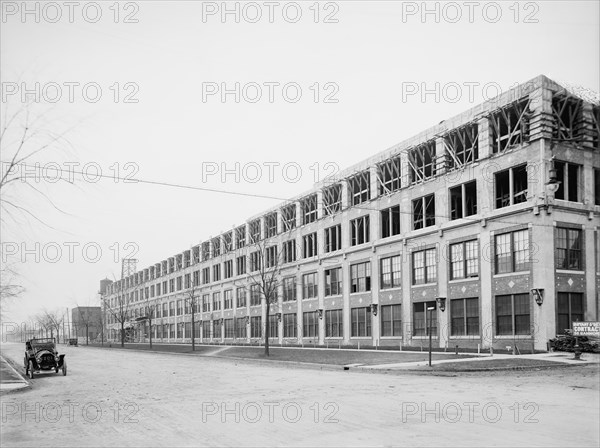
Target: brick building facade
<point x="492" y="215"/>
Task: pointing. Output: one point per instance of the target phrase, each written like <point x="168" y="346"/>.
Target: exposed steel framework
<point x="389" y="175"/>
<point x="461" y="146"/>
<point x="510" y="125"/>
<point x="332" y="199"/>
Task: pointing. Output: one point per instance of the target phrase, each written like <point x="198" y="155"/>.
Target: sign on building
<point x="586" y="328"/>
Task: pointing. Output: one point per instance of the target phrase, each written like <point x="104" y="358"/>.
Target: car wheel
<point x="31" y="375"/>
<point x="64" y="368"/>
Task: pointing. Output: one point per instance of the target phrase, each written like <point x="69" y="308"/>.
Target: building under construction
<point x="482" y="230"/>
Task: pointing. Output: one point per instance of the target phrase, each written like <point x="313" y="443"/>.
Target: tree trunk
<point x="267" y="330"/>
<point x="87" y="335"/>
<point x="193" y="331"/>
<point x="150" y="331"/>
<point x="122" y="334"/>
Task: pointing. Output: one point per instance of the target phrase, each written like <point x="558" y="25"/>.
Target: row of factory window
<point x="511" y="254"/>
<point x="512" y="317"/>
<point x="509" y="128"/>
<point x="511" y="188"/>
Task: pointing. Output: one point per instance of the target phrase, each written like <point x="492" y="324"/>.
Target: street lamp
<point x="553" y="183"/>
<point x="538" y="295"/>
<point x="551" y="187"/>
<point x="441" y="302"/>
<point x="429" y="311"/>
<point x="374" y="309"/>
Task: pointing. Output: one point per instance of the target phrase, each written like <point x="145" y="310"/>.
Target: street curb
<point x="488" y="369"/>
<point x="25" y="383"/>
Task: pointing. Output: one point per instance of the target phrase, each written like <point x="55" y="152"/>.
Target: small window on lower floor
<point x="513" y="315"/>
<point x="290" y="325"/>
<point x="391" y="320"/>
<point x="273" y="326"/>
<point x="569" y="309"/>
<point x="334" y="324"/>
<point x="568" y="252"/>
<point x="424" y="318"/>
<point x="361" y="322"/>
<point x="256" y="327"/>
<point x="464" y="317"/>
<point x="310" y="325"/>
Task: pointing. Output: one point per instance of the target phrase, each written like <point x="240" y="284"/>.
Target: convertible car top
<point x="41" y="355"/>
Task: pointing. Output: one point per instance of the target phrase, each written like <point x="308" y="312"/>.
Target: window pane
<point x="419" y="319"/>
<point x="472" y="252"/>
<point x="457" y="317"/>
<point x="574" y="249"/>
<point x="577" y="303"/>
<point x="386" y="274"/>
<point x="522" y="324"/>
<point x="503" y="258"/>
<point x="431" y="262"/>
<point x="521" y="245"/>
<point x="396" y="271"/>
<point x="503" y="315"/>
<point x="456" y="259"/>
<point x="472" y="311"/>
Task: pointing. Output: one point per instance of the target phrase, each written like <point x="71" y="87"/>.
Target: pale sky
<point x="364" y="58"/>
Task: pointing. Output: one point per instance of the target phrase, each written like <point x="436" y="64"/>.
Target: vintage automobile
<point x="41" y="355"/>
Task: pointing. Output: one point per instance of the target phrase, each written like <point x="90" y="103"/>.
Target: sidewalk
<point x="564" y="358"/>
<point x="10" y="379"/>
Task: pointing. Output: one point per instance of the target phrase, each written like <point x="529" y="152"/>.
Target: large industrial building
<point x="487" y="222"/>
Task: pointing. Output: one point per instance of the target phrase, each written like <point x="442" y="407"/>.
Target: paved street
<point x="131" y="398"/>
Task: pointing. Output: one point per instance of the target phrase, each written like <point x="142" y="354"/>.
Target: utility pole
<point x="68" y="325"/>
<point x="429" y="311"/>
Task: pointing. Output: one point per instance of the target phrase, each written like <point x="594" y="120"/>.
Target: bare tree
<point x="54" y="321"/>
<point x="45" y="330"/>
<point x="9" y="289"/>
<point x="150" y="313"/>
<point x="121" y="313"/>
<point x="49" y="323"/>
<point x="87" y="319"/>
<point x="24" y="134"/>
<point x="46" y="327"/>
<point x="101" y="321"/>
<point x="265" y="272"/>
<point x="191" y="302"/>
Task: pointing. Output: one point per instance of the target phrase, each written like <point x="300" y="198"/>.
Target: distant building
<point x="86" y="321"/>
<point x="104" y="285"/>
<point x="487" y="222"/>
